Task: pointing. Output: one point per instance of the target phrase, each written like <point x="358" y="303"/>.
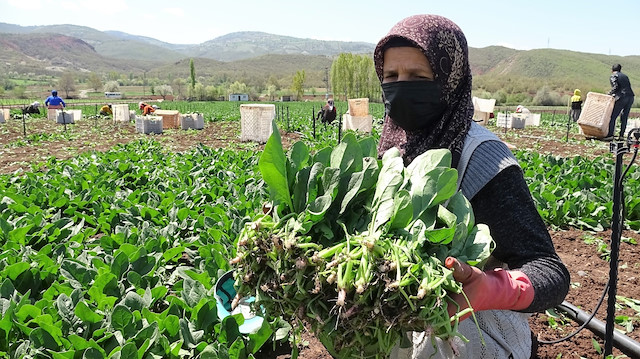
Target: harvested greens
<point x="355" y="245"/>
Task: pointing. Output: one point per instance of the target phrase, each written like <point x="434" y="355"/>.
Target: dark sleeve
<point x="614" y="84"/>
<point x="522" y="239"/>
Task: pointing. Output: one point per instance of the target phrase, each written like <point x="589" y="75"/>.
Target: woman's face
<point x="406" y="64"/>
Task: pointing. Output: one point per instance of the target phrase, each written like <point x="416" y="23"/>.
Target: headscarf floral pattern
<point x="445" y="46"/>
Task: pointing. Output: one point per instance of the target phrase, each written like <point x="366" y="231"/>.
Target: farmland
<point x="112" y="240"/>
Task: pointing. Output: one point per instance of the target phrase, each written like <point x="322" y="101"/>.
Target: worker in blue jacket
<point x="54" y="102"/>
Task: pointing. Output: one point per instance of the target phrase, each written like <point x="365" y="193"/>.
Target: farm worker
<point x="327" y="113"/>
<point x="106" y="110"/>
<point x="54" y="102"/>
<point x="32" y="109"/>
<point x="624" y="96"/>
<point x="576" y="105"/>
<point x="522" y="109"/>
<point x="146" y="109"/>
<point x="423" y="67"/>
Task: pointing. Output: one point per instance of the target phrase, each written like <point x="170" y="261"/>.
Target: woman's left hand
<point x="494" y="289"/>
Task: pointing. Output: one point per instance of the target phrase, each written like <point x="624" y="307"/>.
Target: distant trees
<point x="192" y="70"/>
<point x="67" y="83"/>
<point x="354" y="76"/>
<point x="111" y="86"/>
<point x="178" y="84"/>
<point x="298" y="84"/>
<point x="94" y="81"/>
<point x="164" y="90"/>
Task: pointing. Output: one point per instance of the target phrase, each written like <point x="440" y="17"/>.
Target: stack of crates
<point x="149" y="124"/>
<point x="193" y="121"/>
<point x="256" y="122"/>
<point x="120" y="113"/>
<point x="358" y="117"/>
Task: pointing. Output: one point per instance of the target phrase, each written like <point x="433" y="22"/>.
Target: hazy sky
<point x="587" y="26"/>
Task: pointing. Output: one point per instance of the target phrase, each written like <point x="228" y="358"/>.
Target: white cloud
<point x="26" y="4"/>
<point x="176" y="11"/>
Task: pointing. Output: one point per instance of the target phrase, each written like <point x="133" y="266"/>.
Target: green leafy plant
<point x="368" y="235"/>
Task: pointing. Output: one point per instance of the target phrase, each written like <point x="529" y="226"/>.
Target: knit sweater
<point x="494" y="183"/>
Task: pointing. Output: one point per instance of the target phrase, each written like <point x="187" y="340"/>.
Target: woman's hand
<point x="494" y="289"/>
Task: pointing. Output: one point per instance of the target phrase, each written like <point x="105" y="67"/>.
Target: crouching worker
<point x="423" y="67"/>
<point x="106" y="110"/>
<point x="146" y="109"/>
<point x="34" y="108"/>
<point x="327" y="113"/>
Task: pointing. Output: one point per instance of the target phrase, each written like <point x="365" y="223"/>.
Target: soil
<point x="580" y="250"/>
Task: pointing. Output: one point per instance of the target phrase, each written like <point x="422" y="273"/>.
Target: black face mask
<point x="413" y="105"/>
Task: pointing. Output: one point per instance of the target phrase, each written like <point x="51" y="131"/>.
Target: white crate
<point x="64" y="116"/>
<point x="149" y="124"/>
<point x="193" y="121"/>
<point x="121" y="113"/>
<point x="52" y="112"/>
<point x="5" y="115"/>
<point x="255" y="122"/>
<point x="514" y="120"/>
<point x="70" y="116"/>
<point x="532" y="119"/>
<point x="358" y="123"/>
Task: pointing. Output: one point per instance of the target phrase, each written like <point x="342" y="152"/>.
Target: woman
<point x="424" y="70"/>
<point x="576" y="105"/>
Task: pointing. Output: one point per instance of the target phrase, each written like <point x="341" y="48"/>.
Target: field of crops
<point x="114" y="254"/>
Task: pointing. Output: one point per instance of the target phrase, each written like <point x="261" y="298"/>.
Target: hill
<point x="230" y="47"/>
<point x="248" y="44"/>
<point x="47" y="54"/>
<point x="254" y="57"/>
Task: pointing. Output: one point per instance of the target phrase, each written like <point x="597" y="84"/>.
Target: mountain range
<point x="52" y="49"/>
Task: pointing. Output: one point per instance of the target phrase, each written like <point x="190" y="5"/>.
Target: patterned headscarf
<point x="445" y="46"/>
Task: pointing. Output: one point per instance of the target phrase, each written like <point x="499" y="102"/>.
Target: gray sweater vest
<point x="490" y="156"/>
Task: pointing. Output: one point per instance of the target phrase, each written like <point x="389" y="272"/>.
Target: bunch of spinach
<point x="355" y="245"/>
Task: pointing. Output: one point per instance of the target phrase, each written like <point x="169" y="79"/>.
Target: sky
<point x="585" y="26"/>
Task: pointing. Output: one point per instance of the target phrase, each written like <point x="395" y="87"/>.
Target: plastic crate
<point x="64" y="116"/>
<point x="121" y="113"/>
<point x="170" y="118"/>
<point x="255" y="122"/>
<point x="5" y="115"/>
<point x="52" y="114"/>
<point x="357" y="123"/>
<point x="596" y="115"/>
<point x="514" y="120"/>
<point x="358" y="107"/>
<point x="149" y="124"/>
<point x="192" y="121"/>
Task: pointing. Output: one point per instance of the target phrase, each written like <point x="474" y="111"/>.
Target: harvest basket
<point x="121" y="113"/>
<point x="170" y="118"/>
<point x="358" y="123"/>
<point x="358" y="107"/>
<point x="596" y="115"/>
<point x="255" y="122"/>
<point x="149" y="124"/>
